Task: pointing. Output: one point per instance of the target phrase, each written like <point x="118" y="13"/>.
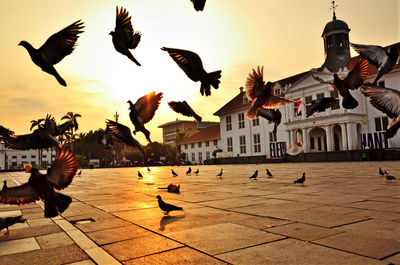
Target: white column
<point x="305" y="139"/>
<point x="329" y="138"/>
<point x="351" y="136"/>
<point x="344" y="136"/>
<point x="292" y="136"/>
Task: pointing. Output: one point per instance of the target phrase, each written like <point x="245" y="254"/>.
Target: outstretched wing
<point x="22" y="194"/>
<point x="275" y="101"/>
<point x="185" y="59"/>
<point x="198" y="4"/>
<point x="255" y="84"/>
<point x="123" y="133"/>
<point x="373" y="53"/>
<point x="147" y="105"/>
<point x="39" y="139"/>
<point x="61" y="43"/>
<point x="357" y="76"/>
<point x="384" y="99"/>
<point x="50" y="125"/>
<point x="124" y="31"/>
<point x="63" y="169"/>
<point x="181" y="107"/>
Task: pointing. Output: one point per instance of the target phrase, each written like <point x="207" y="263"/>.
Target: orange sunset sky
<point x="229" y="35"/>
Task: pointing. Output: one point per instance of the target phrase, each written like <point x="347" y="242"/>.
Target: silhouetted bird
<point x="354" y="79"/>
<point x="172" y="188"/>
<point x="381" y="172"/>
<point x="199" y="4"/>
<point x="38" y="139"/>
<point x="80" y="172"/>
<point x="4" y="185"/>
<point x="189" y="171"/>
<point x="321" y="105"/>
<point x="269" y="174"/>
<point x="273" y="115"/>
<point x="300" y="180"/>
<point x="106" y="139"/>
<point x="386" y="100"/>
<point x="143" y="111"/>
<point x="254" y="176"/>
<point x="55" y="49"/>
<point x="389" y="177"/>
<point x="220" y="174"/>
<point x="261" y="94"/>
<point x="167" y="207"/>
<point x="39" y="186"/>
<point x="173" y="173"/>
<point x="123" y="133"/>
<point x="9" y="221"/>
<point x="52" y="128"/>
<point x="197" y="172"/>
<point x="139" y="174"/>
<point x="148" y="170"/>
<point x="191" y="64"/>
<point x="123" y="36"/>
<point x="183" y="108"/>
<point x="378" y="57"/>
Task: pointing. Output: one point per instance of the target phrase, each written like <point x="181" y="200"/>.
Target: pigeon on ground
<point x="172" y="188"/>
<point x="4" y="185"/>
<point x="124" y="37"/>
<point x="300" y="180"/>
<point x="80" y="172"/>
<point x="381" y="173"/>
<point x="199" y="4"/>
<point x="378" y="57"/>
<point x="183" y="108"/>
<point x="354" y="79"/>
<point x="321" y="105"/>
<point x="191" y="64"/>
<point x="189" y="171"/>
<point x="220" y="174"/>
<point x="41" y="186"/>
<point x="261" y="94"/>
<point x="148" y="170"/>
<point x="269" y="174"/>
<point x="174" y="173"/>
<point x="386" y="100"/>
<point x="273" y="115"/>
<point x="38" y="139"/>
<point x="9" y="221"/>
<point x="167" y="207"/>
<point x="197" y="172"/>
<point x="254" y="176"/>
<point x="55" y="49"/>
<point x="143" y="111"/>
<point x="123" y="133"/>
<point x="139" y="174"/>
<point x="389" y="177"/>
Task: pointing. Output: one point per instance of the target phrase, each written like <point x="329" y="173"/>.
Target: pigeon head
<point x="158" y="197"/>
<point x="131" y="106"/>
<point x="111" y="33"/>
<point x="22" y="43"/>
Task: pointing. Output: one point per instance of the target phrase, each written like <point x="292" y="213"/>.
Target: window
<point x="207" y="143"/>
<point x="200" y="156"/>
<point x="199" y="144"/>
<point x="334" y="94"/>
<point x="256" y="122"/>
<point x="381" y="124"/>
<point x="320" y="95"/>
<point x="215" y="142"/>
<point x="241" y="120"/>
<point x="193" y="157"/>
<point x="294" y="110"/>
<point x="308" y="103"/>
<point x="208" y="155"/>
<point x="312" y="143"/>
<point x="242" y="141"/>
<point x="192" y="146"/>
<point x="381" y="83"/>
<point x="33" y="156"/>
<point x="277" y="91"/>
<point x="229" y="144"/>
<point x="23" y="156"/>
<point x="186" y="146"/>
<point x="257" y="143"/>
<point x="14" y="157"/>
<point x="272" y="137"/>
<point x="44" y="156"/>
<point x="228" y="123"/>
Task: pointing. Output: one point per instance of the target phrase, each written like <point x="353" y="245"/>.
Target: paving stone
<point x="81" y="239"/>
<point x="18" y="245"/>
<point x="118" y="234"/>
<point x="221" y="238"/>
<point x="292" y="251"/>
<point x="373" y="205"/>
<point x="83" y="262"/>
<point x="30" y="232"/>
<point x="39" y="222"/>
<point x="180" y="256"/>
<point x="54" y="240"/>
<point x="381" y="215"/>
<point x="101" y="257"/>
<point x="379" y="228"/>
<point x="10" y="213"/>
<point x="395" y="259"/>
<point x="138" y="247"/>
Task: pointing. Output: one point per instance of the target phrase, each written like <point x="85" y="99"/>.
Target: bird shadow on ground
<point x="165" y="220"/>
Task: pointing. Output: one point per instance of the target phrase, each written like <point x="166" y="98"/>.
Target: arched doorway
<point x="337" y="138"/>
<point x="317" y="138"/>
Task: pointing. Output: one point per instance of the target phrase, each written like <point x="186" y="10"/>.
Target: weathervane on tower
<point x="333" y="7"/>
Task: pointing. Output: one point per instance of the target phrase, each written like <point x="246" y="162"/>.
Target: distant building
<point x="170" y="129"/>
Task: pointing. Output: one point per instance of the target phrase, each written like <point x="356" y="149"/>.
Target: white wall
<point x="203" y="149"/>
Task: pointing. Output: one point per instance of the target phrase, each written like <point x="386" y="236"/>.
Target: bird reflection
<point x="165" y="220"/>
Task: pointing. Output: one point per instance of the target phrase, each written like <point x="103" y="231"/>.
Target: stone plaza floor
<point x="344" y="214"/>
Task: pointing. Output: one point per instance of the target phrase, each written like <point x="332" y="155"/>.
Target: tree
<point x="37" y="123"/>
<point x="71" y="117"/>
<point x="4" y="133"/>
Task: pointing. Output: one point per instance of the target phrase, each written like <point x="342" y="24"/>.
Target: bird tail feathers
<point x="62" y="201"/>
<point x="211" y="79"/>
<point x="50" y="209"/>
<point x="130" y="56"/>
<point x="197" y="117"/>
<point x="60" y="80"/>
<point x="252" y="113"/>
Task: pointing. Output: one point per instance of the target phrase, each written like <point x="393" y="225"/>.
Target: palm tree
<point x="37" y="123"/>
<point x="71" y="117"/>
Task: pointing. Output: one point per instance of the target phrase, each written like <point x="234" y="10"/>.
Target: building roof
<point x="335" y="24"/>
<point x="175" y="122"/>
<point x="209" y="133"/>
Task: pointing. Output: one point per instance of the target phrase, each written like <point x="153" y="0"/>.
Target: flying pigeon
<point x="52" y="128"/>
<point x="273" y="115"/>
<point x="167" y="207"/>
<point x="4" y="185"/>
<point x="9" y="221"/>
<point x="197" y="172"/>
<point x="199" y="4"/>
<point x="106" y="140"/>
<point x="124" y="37"/>
<point x="183" y="108"/>
<point x="39" y="186"/>
<point x="300" y="180"/>
<point x="254" y="176"/>
<point x="269" y="174"/>
<point x="378" y="57"/>
<point x="261" y="94"/>
<point x="172" y="188"/>
<point x="381" y="173"/>
<point x="220" y="174"/>
<point x="55" y="49"/>
<point x="321" y="105"/>
<point x="139" y="174"/>
<point x="386" y="100"/>
<point x="189" y="171"/>
<point x="143" y="111"/>
<point x="123" y="133"/>
<point x="38" y="139"/>
<point x="354" y="79"/>
<point x="173" y="173"/>
<point x="389" y="177"/>
<point x="191" y="64"/>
